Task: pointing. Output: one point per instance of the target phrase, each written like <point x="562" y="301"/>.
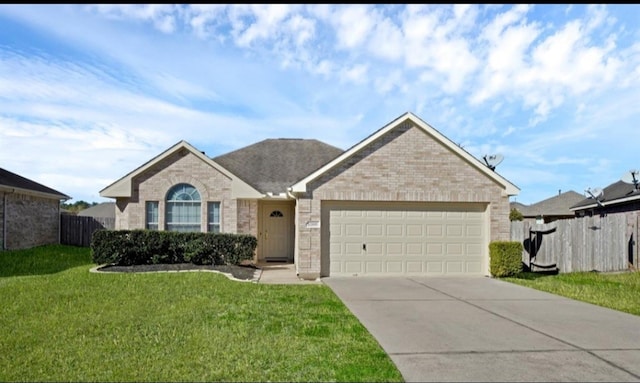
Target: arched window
<point x="183" y="208"/>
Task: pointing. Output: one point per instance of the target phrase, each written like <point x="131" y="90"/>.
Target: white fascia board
<point x="509" y="188"/>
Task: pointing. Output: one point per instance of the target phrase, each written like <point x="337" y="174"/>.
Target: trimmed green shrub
<point x="515" y="215"/>
<point x="141" y="247"/>
<point x="505" y="258"/>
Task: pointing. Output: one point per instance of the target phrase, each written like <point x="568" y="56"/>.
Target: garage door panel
<point x="474" y="250"/>
<point x="474" y="267"/>
<point x="435" y="249"/>
<point x="434" y="267"/>
<point x="394" y="230"/>
<point x="474" y="230"/>
<point x="454" y="249"/>
<point x="353" y="267"/>
<point x="394" y="267"/>
<point x="352" y="249"/>
<point x="353" y="230"/>
<point x="395" y="249"/>
<point x="414" y="249"/>
<point x="436" y="231"/>
<point x="415" y="230"/>
<point x="374" y="249"/>
<point x="455" y="230"/>
<point x="375" y="230"/>
<point x="454" y="267"/>
<point x="414" y="267"/>
<point x="395" y="214"/>
<point x="411" y="240"/>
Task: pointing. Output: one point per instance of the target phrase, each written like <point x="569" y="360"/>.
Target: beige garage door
<point x="400" y="238"/>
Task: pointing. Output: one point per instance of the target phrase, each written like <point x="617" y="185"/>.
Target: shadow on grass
<point x="528" y="275"/>
<point x="42" y="260"/>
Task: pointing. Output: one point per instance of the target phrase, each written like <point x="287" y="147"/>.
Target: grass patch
<point x="60" y="322"/>
<point x="620" y="291"/>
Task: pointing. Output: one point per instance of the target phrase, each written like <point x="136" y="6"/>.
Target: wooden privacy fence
<point x="77" y="231"/>
<point x="602" y="243"/>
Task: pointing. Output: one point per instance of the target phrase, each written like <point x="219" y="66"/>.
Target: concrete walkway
<point x="281" y="274"/>
<point x="486" y="330"/>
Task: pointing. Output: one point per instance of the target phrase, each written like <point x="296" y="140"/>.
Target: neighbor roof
<point x="102" y="210"/>
<point x="617" y="192"/>
<point x="272" y="165"/>
<point x="13" y="182"/>
<point x="556" y="205"/>
<point x="510" y="189"/>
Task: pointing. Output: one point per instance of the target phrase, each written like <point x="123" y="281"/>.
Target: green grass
<point x="619" y="291"/>
<point x="60" y="322"/>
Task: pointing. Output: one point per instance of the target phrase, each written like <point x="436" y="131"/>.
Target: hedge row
<point x="505" y="258"/>
<point x="143" y="247"/>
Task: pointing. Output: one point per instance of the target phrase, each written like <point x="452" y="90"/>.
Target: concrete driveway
<point x="483" y="329"/>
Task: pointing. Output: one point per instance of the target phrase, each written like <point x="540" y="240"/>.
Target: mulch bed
<point x="238" y="272"/>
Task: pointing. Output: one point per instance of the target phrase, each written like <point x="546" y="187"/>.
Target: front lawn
<point x="60" y="322"/>
<point x="620" y="291"/>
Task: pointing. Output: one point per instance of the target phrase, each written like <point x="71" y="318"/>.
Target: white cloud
<point x="353" y="24"/>
<point x="163" y="17"/>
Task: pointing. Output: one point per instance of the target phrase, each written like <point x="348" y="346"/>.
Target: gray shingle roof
<point x="616" y="191"/>
<point x="102" y="210"/>
<point x="272" y="165"/>
<point x="12" y="180"/>
<point x="556" y="205"/>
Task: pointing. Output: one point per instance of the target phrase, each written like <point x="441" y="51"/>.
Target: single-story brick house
<point x="29" y="212"/>
<point x="405" y="200"/>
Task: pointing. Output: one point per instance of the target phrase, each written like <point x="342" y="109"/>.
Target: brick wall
<point x="31" y="221"/>
<point x="180" y="167"/>
<point x="248" y="217"/>
<point x="406" y="164"/>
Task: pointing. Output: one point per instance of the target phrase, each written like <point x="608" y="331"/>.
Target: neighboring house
<point x="29" y="212"/>
<point x="103" y="213"/>
<point x="619" y="197"/>
<point x="101" y="210"/>
<point x="550" y="209"/>
<point x="405" y="200"/>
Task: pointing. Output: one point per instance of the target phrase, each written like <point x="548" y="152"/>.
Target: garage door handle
<point x="364" y="246"/>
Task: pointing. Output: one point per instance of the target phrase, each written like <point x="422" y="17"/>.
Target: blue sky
<point x="89" y="93"/>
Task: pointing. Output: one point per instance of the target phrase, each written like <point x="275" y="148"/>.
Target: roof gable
<point x="123" y="186"/>
<point x="510" y="189"/>
<point x="13" y="182"/>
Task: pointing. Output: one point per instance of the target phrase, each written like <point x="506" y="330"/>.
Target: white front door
<point x="276" y="239"/>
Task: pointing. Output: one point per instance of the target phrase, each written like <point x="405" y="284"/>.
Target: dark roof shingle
<point x="556" y="205"/>
<point x="272" y="165"/>
<point x="12" y="180"/>
<point x="615" y="191"/>
<point x="102" y="210"/>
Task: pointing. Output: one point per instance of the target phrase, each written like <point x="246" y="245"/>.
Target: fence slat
<point x="77" y="231"/>
<point x="581" y="243"/>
